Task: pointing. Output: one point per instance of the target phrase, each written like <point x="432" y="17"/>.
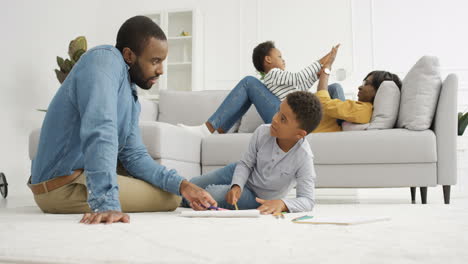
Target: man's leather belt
<point x="55" y="183"/>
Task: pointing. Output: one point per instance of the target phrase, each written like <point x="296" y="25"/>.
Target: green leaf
<point x="60" y="76"/>
<point x="67" y="66"/>
<point x="462" y="123"/>
<point x="77" y="54"/>
<point x="262" y="75"/>
<point x="78" y="43"/>
<point x="61" y="63"/>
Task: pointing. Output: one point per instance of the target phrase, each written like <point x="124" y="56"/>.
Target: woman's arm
<point x="349" y="110"/>
<point x="323" y="80"/>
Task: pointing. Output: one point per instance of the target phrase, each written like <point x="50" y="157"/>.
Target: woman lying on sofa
<point x="337" y="109"/>
<point x="278" y="83"/>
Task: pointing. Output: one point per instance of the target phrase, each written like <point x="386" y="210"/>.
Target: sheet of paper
<point x="345" y="220"/>
<point x="225" y="214"/>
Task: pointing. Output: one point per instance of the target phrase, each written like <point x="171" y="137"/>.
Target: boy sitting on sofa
<point x="278" y="158"/>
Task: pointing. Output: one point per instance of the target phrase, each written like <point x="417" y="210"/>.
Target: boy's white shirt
<point x="281" y="83"/>
<point x="271" y="173"/>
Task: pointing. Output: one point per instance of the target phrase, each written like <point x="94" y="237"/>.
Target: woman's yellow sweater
<point x="349" y="110"/>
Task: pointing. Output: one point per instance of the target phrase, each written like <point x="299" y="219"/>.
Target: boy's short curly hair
<point x="307" y="108"/>
<point x="260" y="52"/>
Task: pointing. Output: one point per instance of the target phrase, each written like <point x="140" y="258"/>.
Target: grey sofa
<point x="355" y="159"/>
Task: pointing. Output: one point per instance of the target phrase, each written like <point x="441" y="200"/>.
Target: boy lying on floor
<point x="278" y="158"/>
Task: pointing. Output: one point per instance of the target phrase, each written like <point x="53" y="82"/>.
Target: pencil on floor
<point x="278" y="215"/>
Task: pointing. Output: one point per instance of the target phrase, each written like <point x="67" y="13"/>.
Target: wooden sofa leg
<point x="446" y="189"/>
<point x="423" y="191"/>
<point x="413" y="195"/>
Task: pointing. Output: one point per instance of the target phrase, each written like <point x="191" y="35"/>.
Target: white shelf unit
<point x="183" y="66"/>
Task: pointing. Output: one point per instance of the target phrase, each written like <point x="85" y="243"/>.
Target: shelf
<point x="151" y="97"/>
<point x="175" y="64"/>
<point x="180" y="38"/>
<point x="183" y="60"/>
<point x="179" y="66"/>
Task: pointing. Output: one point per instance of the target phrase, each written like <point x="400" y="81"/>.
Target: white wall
<point x="387" y="35"/>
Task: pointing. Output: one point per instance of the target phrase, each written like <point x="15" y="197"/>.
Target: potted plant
<point x="462" y="122"/>
<point x="76" y="48"/>
<point x="462" y="143"/>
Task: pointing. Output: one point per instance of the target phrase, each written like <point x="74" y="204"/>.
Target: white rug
<point x="431" y="233"/>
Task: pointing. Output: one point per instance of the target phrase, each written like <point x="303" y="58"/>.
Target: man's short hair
<point x="307" y="108"/>
<point x="260" y="52"/>
<point x="136" y="32"/>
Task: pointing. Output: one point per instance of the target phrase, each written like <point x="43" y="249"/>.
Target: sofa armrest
<point x="161" y="139"/>
<point x="445" y="128"/>
<point x="149" y="110"/>
<point x="34" y="142"/>
<point x="166" y="141"/>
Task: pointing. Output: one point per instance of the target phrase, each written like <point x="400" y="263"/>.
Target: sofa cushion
<point x="189" y="108"/>
<point x="419" y="94"/>
<point x="222" y="149"/>
<point x="250" y="121"/>
<point x="386" y="106"/>
<point x="348" y="126"/>
<point x="359" y="147"/>
<point x="170" y="142"/>
<point x="374" y="146"/>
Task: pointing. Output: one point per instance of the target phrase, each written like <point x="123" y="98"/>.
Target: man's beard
<point x="136" y="76"/>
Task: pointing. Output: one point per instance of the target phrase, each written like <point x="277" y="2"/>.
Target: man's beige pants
<point x="135" y="196"/>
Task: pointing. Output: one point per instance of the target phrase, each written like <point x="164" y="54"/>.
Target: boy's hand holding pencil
<point x="233" y="195"/>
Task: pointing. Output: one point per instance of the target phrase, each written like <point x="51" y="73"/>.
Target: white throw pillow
<point x="419" y="94"/>
<point x="348" y="126"/>
<point x="386" y="106"/>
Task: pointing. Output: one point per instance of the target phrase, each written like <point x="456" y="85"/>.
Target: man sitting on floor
<point x="92" y="122"/>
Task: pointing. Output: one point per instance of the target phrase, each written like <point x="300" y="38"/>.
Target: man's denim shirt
<point x="91" y="122"/>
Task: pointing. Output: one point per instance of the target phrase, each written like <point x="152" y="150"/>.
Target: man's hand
<point x="271" y="206"/>
<point x="108" y="217"/>
<point x="198" y="198"/>
<point x="234" y="194"/>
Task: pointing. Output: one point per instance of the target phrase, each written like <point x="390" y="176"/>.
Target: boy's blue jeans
<point x="218" y="183"/>
<point x="251" y="90"/>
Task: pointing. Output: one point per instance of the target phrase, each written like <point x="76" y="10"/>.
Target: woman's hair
<point x="260" y="52"/>
<point x="136" y="32"/>
<point x="379" y="76"/>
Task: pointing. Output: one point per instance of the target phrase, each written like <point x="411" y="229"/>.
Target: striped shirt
<point x="281" y="83"/>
